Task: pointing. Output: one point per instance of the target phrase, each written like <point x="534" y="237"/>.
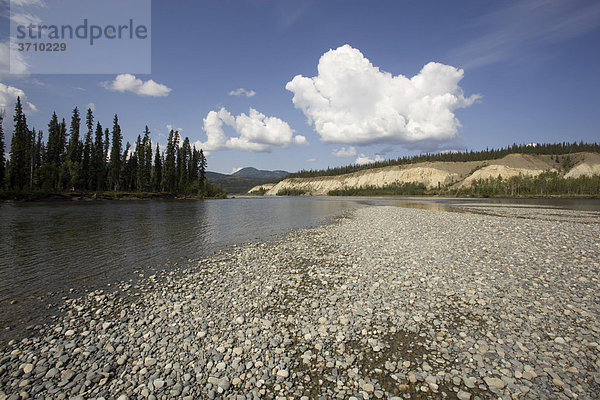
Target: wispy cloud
<point x="526" y="25"/>
<point x="344" y="152"/>
<point x="18" y="65"/>
<point x="242" y="92"/>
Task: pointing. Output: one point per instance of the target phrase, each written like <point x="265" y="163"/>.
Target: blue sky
<point x="395" y="78"/>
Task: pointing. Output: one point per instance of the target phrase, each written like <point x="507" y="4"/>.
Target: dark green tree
<point x="54" y="151"/>
<point x="170" y="167"/>
<point x="114" y="169"/>
<point x="20" y="149"/>
<point x="145" y="161"/>
<point x="98" y="160"/>
<point x="72" y="165"/>
<point x="86" y="179"/>
<point x="202" y="169"/>
<point x="157" y="171"/>
<point x="184" y="161"/>
<point x="74" y="147"/>
<point x="128" y="170"/>
<point x="38" y="159"/>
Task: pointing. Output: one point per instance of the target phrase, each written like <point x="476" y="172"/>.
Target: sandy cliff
<point x="434" y="174"/>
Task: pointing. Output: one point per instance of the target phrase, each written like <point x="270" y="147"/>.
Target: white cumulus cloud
<point x="362" y="159"/>
<point x="91" y="106"/>
<point x="242" y="92"/>
<point x="344" y="152"/>
<point x="352" y="101"/>
<point x="8" y="99"/>
<point x="256" y="131"/>
<point x="129" y="83"/>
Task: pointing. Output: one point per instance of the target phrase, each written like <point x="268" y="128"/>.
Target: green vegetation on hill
<point x="488" y="154"/>
<point x="239" y="185"/>
<point x="291" y="192"/>
<point x="546" y="184"/>
<point x="397" y="189"/>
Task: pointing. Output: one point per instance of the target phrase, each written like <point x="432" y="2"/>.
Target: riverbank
<point x="88" y="196"/>
<point x="385" y="302"/>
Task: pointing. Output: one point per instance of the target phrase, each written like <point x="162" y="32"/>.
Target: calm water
<point x="48" y="248"/>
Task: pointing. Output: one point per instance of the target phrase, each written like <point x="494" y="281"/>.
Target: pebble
<point x="385" y="302"/>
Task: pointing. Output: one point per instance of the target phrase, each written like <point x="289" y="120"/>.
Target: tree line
<point x="549" y="183"/>
<point x="487" y="154"/>
<point x="97" y="160"/>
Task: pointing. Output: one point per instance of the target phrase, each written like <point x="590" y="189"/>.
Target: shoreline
<point x="383" y="302"/>
<point x="94" y="196"/>
<point x="27" y="197"/>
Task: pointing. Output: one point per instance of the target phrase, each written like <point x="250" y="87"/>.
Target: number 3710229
<point x="24" y="46"/>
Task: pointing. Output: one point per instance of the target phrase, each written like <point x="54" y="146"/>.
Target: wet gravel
<point x="388" y="303"/>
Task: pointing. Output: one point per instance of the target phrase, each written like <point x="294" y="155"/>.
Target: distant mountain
<point x="213" y="175"/>
<point x="243" y="180"/>
<point x="250" y="172"/>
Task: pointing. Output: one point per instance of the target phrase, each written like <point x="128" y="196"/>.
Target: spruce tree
<point x="98" y="160"/>
<point x="170" y="168"/>
<point x="115" y="156"/>
<point x="38" y="159"/>
<point x="157" y="171"/>
<point x="86" y="181"/>
<point x="184" y="164"/>
<point x="202" y="170"/>
<point x="139" y="156"/>
<point x="146" y="166"/>
<point x="128" y="169"/>
<point x="53" y="152"/>
<point x="20" y="149"/>
<point x="73" y="150"/>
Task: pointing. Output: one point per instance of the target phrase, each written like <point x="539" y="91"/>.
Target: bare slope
<point x="434" y="174"/>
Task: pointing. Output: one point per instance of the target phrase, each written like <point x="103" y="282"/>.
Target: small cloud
<point x="236" y="169"/>
<point x="91" y="106"/>
<point x="300" y="140"/>
<point x="311" y="160"/>
<point x="129" y="83"/>
<point x="172" y="128"/>
<point x="344" y="152"/>
<point x="362" y="159"/>
<point x="242" y="92"/>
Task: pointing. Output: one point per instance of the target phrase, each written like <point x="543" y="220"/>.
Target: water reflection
<point x="52" y="247"/>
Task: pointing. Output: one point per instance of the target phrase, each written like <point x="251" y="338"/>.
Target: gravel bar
<point x="386" y="303"/>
